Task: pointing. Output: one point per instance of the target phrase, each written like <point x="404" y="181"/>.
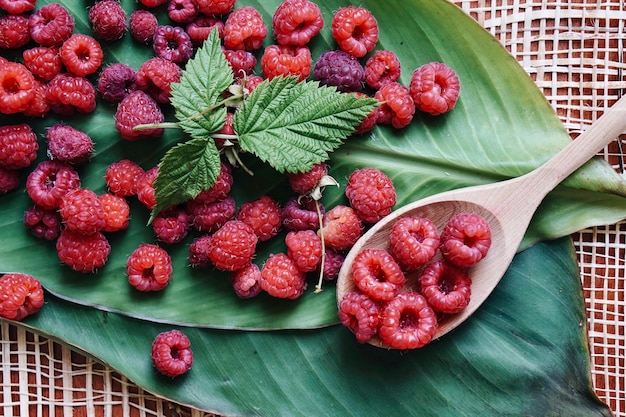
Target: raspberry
<point x="333" y="262"/>
<point x="149" y="268"/>
<point x="172" y="43"/>
<point x="200" y="28"/>
<point x="263" y="215"/>
<point x="171" y="225"/>
<point x="199" y="252"/>
<point x="38" y="106"/>
<point x="50" y="181"/>
<point x="465" y="239"/>
<point x="182" y="11"/>
<point x="121" y="177"/>
<point x="155" y="76"/>
<point x="232" y="246"/>
<point x="377" y="274"/>
<point x="9" y="180"/>
<point x="244" y="29"/>
<point x="116" y="81"/>
<point x="339" y="69"/>
<point x="209" y="217"/>
<point x="304" y="183"/>
<point x="369" y="121"/>
<point x="397" y="107"/>
<point x="145" y="187"/>
<point x="68" y="93"/>
<point x="151" y="4"/>
<point x="296" y="22"/>
<point x="18" y="146"/>
<point x="216" y="7"/>
<point x="68" y="144"/>
<point x="171" y="353"/>
<point x="245" y="281"/>
<point x="301" y="214"/>
<point x="382" y="68"/>
<point x="413" y="242"/>
<point x="51" y="25"/>
<point x="43" y="223"/>
<point x="341" y="228"/>
<point x="435" y="88"/>
<point x="281" y="278"/>
<point x="81" y="54"/>
<point x="116" y="212"/>
<point x="83" y="253"/>
<point x="108" y="20"/>
<point x="17" y="6"/>
<point x="142" y="25"/>
<point x="305" y="248"/>
<point x="360" y="314"/>
<point x="220" y="189"/>
<point x="81" y="211"/>
<point x="14" y="32"/>
<point x="43" y="62"/>
<point x="21" y="295"/>
<point x="16" y="88"/>
<point x="355" y="30"/>
<point x="446" y="287"/>
<point x="241" y="61"/>
<point x="371" y="194"/>
<point x="135" y="109"/>
<point x="407" y="322"/>
<point x="286" y="60"/>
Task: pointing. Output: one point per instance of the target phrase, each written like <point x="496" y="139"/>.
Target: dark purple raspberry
<point x="9" y="179"/>
<point x="68" y="144"/>
<point x="301" y="214"/>
<point x="241" y="61"/>
<point x="199" y="252"/>
<point x="43" y="223"/>
<point x="172" y="43"/>
<point x="339" y="69"/>
<point x="182" y="11"/>
<point x="116" y="81"/>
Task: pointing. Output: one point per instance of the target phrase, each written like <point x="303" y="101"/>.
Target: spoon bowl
<point x="508" y="207"/>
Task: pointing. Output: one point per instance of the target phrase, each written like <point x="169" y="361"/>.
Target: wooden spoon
<point x="508" y="206"/>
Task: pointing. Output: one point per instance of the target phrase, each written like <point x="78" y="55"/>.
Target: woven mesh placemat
<point x="573" y="50"/>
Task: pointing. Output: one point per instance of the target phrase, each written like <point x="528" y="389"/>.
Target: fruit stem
<point x="164" y="125"/>
<point x="318" y="287"/>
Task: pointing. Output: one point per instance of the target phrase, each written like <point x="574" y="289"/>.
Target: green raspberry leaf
<point x="186" y="169"/>
<point x="200" y="88"/>
<point x="293" y="125"/>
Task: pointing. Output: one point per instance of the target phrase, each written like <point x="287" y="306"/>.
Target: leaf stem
<point x="164" y="125"/>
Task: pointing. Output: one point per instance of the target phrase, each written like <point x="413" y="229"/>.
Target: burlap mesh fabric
<point x="574" y="51"/>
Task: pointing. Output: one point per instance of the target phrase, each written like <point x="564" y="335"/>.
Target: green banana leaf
<point x="523" y="353"/>
<point x="501" y="127"/>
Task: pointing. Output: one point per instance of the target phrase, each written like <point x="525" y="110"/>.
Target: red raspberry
<point x="51" y="25"/>
<point x="121" y="177"/>
<point x="9" y="180"/>
<point x="296" y="22"/>
<point x="38" y="106"/>
<point x="18" y="146"/>
<point x="355" y="29"/>
<point x="43" y="62"/>
<point x="199" y="252"/>
<point x="281" y="278"/>
<point x="435" y="88"/>
<point x="155" y="76"/>
<point x="49" y="182"/>
<point x="250" y="83"/>
<point x="446" y="287"/>
<point x="246" y="281"/>
<point x="209" y="217"/>
<point x="171" y="353"/>
<point x="68" y="93"/>
<point x="263" y="215"/>
<point x="14" y="32"/>
<point x="142" y="25"/>
<point x="333" y="261"/>
<point x="135" y="109"/>
<point x="17" y="6"/>
<point x="216" y="7"/>
<point x="116" y="212"/>
<point x="83" y="253"/>
<point x="116" y="81"/>
<point x="397" y="107"/>
<point x="371" y="194"/>
<point x="241" y="61"/>
<point x="232" y="246"/>
<point x="407" y="322"/>
<point x="220" y="189"/>
<point x="413" y="242"/>
<point x="301" y="214"/>
<point x="200" y="28"/>
<point x="244" y="29"/>
<point x="151" y="4"/>
<point x="68" y="144"/>
<point x="382" y="68"/>
<point x="305" y="248"/>
<point x="341" y="228"/>
<point x="465" y="239"/>
<point x="171" y="225"/>
<point x="145" y="188"/>
<point x="172" y="43"/>
<point x="149" y="268"/>
<point x="304" y="183"/>
<point x="108" y="20"/>
<point x="43" y="223"/>
<point x="182" y="11"/>
<point x="369" y="121"/>
<point x="16" y="88"/>
<point x="20" y="295"/>
<point x="360" y="314"/>
<point x="339" y="69"/>
<point x="81" y="211"/>
<point x="81" y="54"/>
<point x="377" y="274"/>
